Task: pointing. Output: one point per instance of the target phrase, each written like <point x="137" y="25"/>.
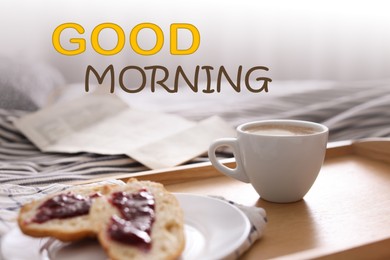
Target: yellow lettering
<point x="174" y="38"/>
<point x="95" y="38"/>
<point x="79" y="41"/>
<point x="159" y="39"/>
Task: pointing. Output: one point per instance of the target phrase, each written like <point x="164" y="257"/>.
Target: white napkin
<point x="258" y="219"/>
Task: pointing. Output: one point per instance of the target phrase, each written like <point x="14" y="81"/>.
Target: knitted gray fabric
<point x="26" y="86"/>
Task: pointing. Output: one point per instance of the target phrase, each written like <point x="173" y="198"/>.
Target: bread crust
<point x="167" y="232"/>
<point x="70" y="229"/>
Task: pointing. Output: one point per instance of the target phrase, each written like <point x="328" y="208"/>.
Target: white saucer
<point x="214" y="229"/>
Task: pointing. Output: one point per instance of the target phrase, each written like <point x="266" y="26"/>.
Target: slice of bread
<point x="33" y="220"/>
<point x="167" y="229"/>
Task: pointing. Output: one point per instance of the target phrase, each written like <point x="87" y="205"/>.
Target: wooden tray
<point x="345" y="215"/>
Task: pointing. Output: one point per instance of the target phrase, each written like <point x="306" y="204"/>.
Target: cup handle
<point x="236" y="173"/>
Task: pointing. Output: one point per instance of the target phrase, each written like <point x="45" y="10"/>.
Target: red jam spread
<point x="62" y="206"/>
<point x="134" y="224"/>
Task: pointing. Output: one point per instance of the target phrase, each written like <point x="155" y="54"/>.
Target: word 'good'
<point x="80" y="43"/>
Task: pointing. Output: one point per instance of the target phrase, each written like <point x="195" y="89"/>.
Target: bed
<point x="352" y="111"/>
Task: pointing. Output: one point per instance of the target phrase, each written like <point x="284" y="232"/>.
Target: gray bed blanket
<point x="359" y="110"/>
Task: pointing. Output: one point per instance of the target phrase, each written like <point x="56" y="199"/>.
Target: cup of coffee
<point x="280" y="158"/>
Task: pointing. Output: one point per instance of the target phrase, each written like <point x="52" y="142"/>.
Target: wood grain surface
<point x="345" y="215"/>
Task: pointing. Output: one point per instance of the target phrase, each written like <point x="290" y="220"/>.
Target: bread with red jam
<point x="64" y="215"/>
<point x="140" y="220"/>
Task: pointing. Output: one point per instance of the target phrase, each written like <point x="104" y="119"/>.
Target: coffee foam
<point x="280" y="130"/>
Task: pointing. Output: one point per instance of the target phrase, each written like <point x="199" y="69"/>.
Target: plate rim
<point x="246" y="230"/>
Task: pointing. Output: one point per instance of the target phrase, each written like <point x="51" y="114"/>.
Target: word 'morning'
<point x="159" y="76"/>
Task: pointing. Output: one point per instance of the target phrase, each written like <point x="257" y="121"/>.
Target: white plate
<point x="214" y="229"/>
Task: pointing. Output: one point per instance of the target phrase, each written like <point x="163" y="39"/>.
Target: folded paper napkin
<point x="258" y="219"/>
<point x="12" y="197"/>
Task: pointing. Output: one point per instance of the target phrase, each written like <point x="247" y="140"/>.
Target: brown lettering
<point x="159" y="82"/>
<point x="100" y="80"/>
<point x="221" y="71"/>
<point x="141" y="87"/>
<point x="265" y="79"/>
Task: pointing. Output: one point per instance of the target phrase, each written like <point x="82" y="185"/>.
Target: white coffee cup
<point x="280" y="158"/>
